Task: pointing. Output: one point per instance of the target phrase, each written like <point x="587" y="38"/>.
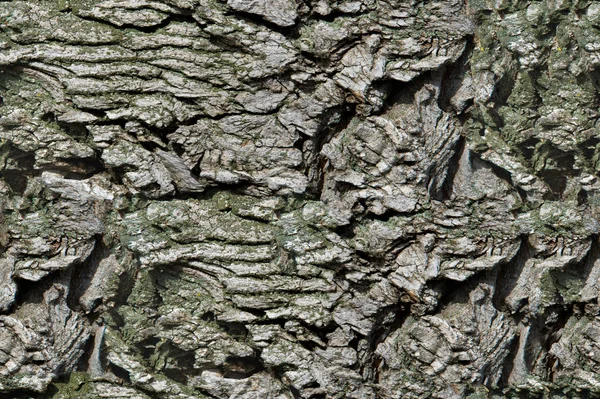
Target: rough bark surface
<point x="299" y="199"/>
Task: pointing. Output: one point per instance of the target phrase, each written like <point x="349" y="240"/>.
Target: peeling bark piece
<point x="8" y="288"/>
<point x="279" y="12"/>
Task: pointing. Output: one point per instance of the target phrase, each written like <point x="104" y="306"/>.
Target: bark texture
<point x="288" y="199"/>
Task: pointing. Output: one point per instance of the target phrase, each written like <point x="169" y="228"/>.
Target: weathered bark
<point x="299" y="199"/>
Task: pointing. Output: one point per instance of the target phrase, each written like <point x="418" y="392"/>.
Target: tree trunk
<point x="299" y="199"/>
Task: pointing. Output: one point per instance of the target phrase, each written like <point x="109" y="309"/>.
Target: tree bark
<point x="299" y="199"/>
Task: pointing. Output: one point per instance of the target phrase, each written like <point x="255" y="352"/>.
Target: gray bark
<point x="299" y="199"/>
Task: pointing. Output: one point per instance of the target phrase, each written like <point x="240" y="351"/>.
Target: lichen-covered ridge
<point x="299" y="199"/>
